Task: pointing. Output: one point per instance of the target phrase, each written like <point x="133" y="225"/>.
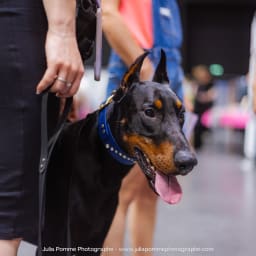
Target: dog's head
<point x="152" y="117"/>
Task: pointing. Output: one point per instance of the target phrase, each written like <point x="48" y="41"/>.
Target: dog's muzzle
<point x="184" y="161"/>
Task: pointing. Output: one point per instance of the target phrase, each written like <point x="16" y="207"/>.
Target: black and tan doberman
<point x="141" y="122"/>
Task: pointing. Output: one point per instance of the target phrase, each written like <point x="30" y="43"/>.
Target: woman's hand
<point x="64" y="65"/>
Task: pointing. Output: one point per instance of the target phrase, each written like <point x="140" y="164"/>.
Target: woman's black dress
<point x="23" y="27"/>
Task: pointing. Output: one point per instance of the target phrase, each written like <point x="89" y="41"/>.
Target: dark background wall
<point x="215" y="31"/>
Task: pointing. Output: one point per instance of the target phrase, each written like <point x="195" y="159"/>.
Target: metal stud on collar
<point x="109" y="141"/>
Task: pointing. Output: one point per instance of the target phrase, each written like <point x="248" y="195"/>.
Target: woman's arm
<point x="120" y="38"/>
<point x="62" y="54"/>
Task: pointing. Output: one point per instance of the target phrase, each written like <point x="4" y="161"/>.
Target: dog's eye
<point x="149" y="112"/>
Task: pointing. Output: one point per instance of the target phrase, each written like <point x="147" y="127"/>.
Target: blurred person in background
<point x="204" y="100"/>
<point x="242" y="87"/>
<point x="132" y="26"/>
<point x="189" y="88"/>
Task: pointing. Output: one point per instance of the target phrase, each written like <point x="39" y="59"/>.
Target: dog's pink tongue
<point x="168" y="188"/>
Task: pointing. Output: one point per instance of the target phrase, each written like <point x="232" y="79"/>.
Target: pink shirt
<point x="137" y="15"/>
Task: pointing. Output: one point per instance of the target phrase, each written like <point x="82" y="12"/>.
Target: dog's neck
<point x="109" y="129"/>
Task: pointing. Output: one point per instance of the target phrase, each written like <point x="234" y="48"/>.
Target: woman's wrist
<point x="62" y="28"/>
<point x="61" y="32"/>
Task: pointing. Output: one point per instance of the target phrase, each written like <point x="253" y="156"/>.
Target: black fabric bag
<point x="86" y="26"/>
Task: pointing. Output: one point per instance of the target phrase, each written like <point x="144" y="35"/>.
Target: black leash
<point x="46" y="151"/>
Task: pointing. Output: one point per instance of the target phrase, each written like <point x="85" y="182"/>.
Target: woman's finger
<point x="71" y="77"/>
<point x="75" y="85"/>
<point x="61" y="84"/>
<point x="47" y="80"/>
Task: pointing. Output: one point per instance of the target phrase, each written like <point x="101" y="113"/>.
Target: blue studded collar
<point x="109" y="141"/>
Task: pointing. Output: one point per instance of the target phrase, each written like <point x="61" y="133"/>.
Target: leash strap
<point x="46" y="151"/>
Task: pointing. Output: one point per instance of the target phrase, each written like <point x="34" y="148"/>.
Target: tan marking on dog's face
<point x="158" y="104"/>
<point x="178" y="104"/>
<point x="161" y="156"/>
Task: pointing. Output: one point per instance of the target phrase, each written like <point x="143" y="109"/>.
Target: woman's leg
<point x="128" y="192"/>
<point x="142" y="216"/>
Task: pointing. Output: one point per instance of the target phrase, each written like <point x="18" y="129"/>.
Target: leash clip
<point x="107" y="102"/>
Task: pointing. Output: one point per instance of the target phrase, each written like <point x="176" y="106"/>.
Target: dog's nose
<point x="185" y="161"/>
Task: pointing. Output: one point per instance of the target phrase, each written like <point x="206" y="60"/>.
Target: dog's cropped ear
<point x="131" y="76"/>
<point x="160" y="75"/>
<point x="133" y="73"/>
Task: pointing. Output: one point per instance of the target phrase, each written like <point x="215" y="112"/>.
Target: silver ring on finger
<point x="61" y="79"/>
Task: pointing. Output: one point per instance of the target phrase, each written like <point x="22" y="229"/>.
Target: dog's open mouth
<point x="166" y="186"/>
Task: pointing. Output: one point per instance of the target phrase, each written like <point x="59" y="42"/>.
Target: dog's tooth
<point x="153" y="167"/>
<point x="107" y="146"/>
<point x="147" y="160"/>
<point x="111" y="149"/>
<point x="116" y="151"/>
